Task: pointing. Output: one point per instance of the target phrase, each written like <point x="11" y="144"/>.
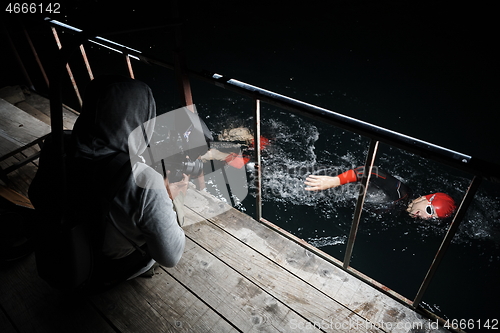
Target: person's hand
<point x="174" y="189"/>
<point x="320" y="183"/>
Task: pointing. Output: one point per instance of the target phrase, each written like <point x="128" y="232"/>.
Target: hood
<point x="113" y="107"/>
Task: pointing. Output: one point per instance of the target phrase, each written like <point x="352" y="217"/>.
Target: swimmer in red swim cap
<point x="431" y="206"/>
<point x="437" y="206"/>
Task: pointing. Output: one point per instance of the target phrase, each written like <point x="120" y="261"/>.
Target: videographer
<point x="142" y="226"/>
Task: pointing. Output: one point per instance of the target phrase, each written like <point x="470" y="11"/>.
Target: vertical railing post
<point x="56" y="121"/>
<point x="370" y="159"/>
<point x="86" y="61"/>
<point x="68" y="69"/>
<point x="129" y="66"/>
<point x="258" y="171"/>
<point x="455" y="223"/>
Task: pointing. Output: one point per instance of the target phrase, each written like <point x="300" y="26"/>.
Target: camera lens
<point x="193" y="168"/>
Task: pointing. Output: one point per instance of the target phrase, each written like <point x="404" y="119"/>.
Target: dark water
<point x="424" y="70"/>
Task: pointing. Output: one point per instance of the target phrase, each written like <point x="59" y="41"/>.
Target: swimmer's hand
<point x="320" y="183"/>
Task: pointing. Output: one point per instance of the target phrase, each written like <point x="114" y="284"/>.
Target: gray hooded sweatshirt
<point x="142" y="210"/>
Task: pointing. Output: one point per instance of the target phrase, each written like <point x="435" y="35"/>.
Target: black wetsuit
<point x="396" y="191"/>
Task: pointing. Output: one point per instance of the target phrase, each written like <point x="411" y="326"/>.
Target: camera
<point x="179" y="138"/>
<point x="178" y="161"/>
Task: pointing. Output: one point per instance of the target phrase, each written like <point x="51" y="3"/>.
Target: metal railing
<point x="478" y="168"/>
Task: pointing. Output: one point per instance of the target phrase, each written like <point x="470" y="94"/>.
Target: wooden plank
<point x="184" y="310"/>
<point x="20" y="179"/>
<point x="34" y="112"/>
<point x="36" y="105"/>
<point x="14" y="197"/>
<point x="42" y="104"/>
<point x="158" y="304"/>
<point x="302" y="298"/>
<point x="243" y="303"/>
<point x="130" y="311"/>
<point x="12" y="94"/>
<point x="7" y="144"/>
<point x="19" y="127"/>
<point x="204" y="204"/>
<point x="330" y="279"/>
<point x="33" y="306"/>
<point x="69" y="118"/>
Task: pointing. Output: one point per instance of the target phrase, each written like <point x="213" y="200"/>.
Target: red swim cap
<point x="443" y="204"/>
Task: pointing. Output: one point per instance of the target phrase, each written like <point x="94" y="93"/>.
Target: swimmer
<point x="431" y="206"/>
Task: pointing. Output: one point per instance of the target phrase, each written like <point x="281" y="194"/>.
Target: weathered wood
<point x="275" y="280"/>
<point x="14" y="197"/>
<point x="42" y="104"/>
<point x="231" y="293"/>
<point x="12" y="94"/>
<point x="34" y="112"/>
<point x="33" y="306"/>
<point x="182" y="308"/>
<point x="19" y="128"/>
<point x="158" y="304"/>
<point x="374" y="306"/>
<point x="130" y="311"/>
<point x="20" y="178"/>
<point x="18" y="131"/>
<point x="204" y="204"/>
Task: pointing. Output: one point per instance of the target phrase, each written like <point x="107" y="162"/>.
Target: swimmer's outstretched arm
<point x="320" y="183"/>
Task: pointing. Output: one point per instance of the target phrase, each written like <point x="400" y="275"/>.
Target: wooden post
<point x="129" y="66"/>
<point x="182" y="78"/>
<point x="86" y="60"/>
<point x="68" y="69"/>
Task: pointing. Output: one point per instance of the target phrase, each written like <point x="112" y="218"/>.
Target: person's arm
<point x="390" y="185"/>
<point x="174" y="188"/>
<point x="320" y="183"/>
<point x="158" y="224"/>
<point x="163" y="235"/>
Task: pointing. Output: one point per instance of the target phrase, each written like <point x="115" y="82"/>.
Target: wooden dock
<point x="236" y="275"/>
